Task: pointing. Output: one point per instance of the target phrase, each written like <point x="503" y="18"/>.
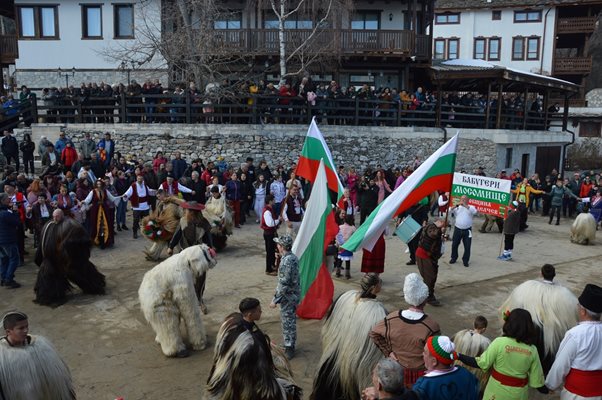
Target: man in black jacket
<point x="368" y="192"/>
<point x="9" y="248"/>
<point x="10" y="149"/>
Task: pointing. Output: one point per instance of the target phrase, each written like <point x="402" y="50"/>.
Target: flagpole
<point x="451" y="185"/>
<point x="503" y="236"/>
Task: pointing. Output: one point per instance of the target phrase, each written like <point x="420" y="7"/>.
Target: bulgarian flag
<point x="436" y="173"/>
<point x="317" y="230"/>
<point x="314" y="150"/>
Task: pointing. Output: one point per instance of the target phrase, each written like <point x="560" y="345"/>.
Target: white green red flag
<point x="434" y="174"/>
<point x="314" y="150"/>
<point x="317" y="230"/>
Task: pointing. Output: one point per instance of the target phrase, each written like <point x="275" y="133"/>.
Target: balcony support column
<point x="525" y="108"/>
<point x="546" y="105"/>
<point x="500" y="99"/>
<point x="488" y="106"/>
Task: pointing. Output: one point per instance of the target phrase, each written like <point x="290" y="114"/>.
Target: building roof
<point x="463" y="5"/>
<point x="469" y="74"/>
<point x="585" y="112"/>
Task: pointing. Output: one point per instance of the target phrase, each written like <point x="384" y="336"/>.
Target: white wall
<point x="70" y="50"/>
<point x="477" y="23"/>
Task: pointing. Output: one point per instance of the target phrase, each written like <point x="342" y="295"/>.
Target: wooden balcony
<point x="576" y="25"/>
<point x="572" y="65"/>
<point x="9" y="49"/>
<point x="347" y="42"/>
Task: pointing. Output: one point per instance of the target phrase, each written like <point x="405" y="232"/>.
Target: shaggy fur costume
<point x="247" y="367"/>
<point x="348" y="353"/>
<point x="34" y="372"/>
<point x="63" y="256"/>
<point x="553" y="308"/>
<point x="219" y="215"/>
<point x="583" y="230"/>
<point x="169" y="303"/>
<point x="472" y="344"/>
<point x="167" y="215"/>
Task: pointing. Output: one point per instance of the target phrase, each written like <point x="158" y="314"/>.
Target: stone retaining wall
<point x="360" y="147"/>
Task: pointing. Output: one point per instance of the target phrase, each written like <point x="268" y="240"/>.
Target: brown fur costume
<point x="63" y="256"/>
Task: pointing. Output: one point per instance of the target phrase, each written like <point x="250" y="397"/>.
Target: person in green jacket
<point x="556" y="195"/>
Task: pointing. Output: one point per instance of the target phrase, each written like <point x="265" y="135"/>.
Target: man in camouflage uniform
<point x="287" y="293"/>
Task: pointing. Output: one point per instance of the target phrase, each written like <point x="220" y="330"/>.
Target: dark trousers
<point x="12" y="157"/>
<point x="235" y="204"/>
<point x="199" y="286"/>
<point x="28" y="165"/>
<point x="429" y="270"/>
<point x="555" y="210"/>
<point x="270" y="251"/>
<point x="21" y="241"/>
<point x="413" y="246"/>
<point x="464" y="236"/>
<point x="244" y="210"/>
<point x="509" y="241"/>
<point x="138" y="215"/>
<point x="524" y="215"/>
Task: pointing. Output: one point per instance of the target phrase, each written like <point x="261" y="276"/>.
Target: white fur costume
<point x="169" y="303"/>
<point x="34" y="372"/>
<point x="553" y="308"/>
<point x="472" y="344"/>
<point x="583" y="230"/>
<point x="348" y="353"/>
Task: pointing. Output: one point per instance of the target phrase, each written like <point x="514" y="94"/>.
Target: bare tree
<point x="180" y="36"/>
<point x="319" y="43"/>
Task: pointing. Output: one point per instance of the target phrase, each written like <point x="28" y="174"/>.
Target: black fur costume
<point x="63" y="256"/>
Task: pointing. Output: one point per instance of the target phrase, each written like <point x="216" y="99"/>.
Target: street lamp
<point x="66" y="75"/>
<point x="124" y="67"/>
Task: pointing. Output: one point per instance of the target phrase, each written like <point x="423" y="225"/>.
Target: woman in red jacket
<point x="68" y="156"/>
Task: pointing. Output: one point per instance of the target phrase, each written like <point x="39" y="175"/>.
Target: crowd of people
<point x="91" y="183"/>
<point x="289" y="102"/>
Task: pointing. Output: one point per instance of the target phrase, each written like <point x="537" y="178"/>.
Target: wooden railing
<point x="9" y="49"/>
<point x="576" y="25"/>
<point x="370" y="42"/>
<point x="188" y="109"/>
<point x="572" y="65"/>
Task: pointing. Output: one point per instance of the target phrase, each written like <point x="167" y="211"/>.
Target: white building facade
<point x="519" y="37"/>
<point x="70" y="41"/>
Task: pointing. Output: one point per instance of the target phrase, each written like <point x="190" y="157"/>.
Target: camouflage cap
<point x="285" y="241"/>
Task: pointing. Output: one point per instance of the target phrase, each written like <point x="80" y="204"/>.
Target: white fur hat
<point x="415" y="290"/>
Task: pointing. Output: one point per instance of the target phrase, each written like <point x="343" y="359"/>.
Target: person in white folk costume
<point x="578" y="363"/>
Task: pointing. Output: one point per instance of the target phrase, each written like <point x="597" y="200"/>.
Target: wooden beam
<point x="500" y="99"/>
<point x="525" y="108"/>
<point x="488" y="107"/>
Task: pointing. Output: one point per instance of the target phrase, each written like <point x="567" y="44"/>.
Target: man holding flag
<point x="434" y="174"/>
